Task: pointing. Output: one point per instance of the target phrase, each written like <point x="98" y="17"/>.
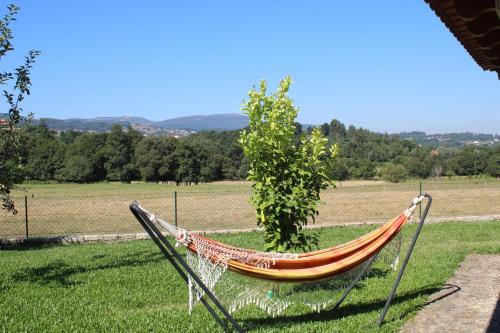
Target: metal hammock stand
<point x="186" y="272"/>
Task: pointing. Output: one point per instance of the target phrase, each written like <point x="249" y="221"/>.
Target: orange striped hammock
<point x="303" y="267"/>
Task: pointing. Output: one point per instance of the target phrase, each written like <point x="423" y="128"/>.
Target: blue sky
<point x="388" y="66"/>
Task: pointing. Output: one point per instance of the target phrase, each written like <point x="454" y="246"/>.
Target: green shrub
<point x="287" y="177"/>
<point x="393" y="172"/>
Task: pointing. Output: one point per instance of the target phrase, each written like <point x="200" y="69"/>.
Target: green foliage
<point x="493" y="164"/>
<point x="287" y="177"/>
<point x="417" y="166"/>
<point x="469" y="161"/>
<point x="119" y="150"/>
<point x="337" y="169"/>
<point x="154" y="157"/>
<point x="337" y="130"/>
<point x="11" y="173"/>
<point x="189" y="157"/>
<point x="394" y="173"/>
<point x="84" y="159"/>
<point x="42" y="153"/>
<point x="77" y="169"/>
<point x="223" y="154"/>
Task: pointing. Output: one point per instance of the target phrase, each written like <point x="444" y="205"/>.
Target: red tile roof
<point x="476" y="25"/>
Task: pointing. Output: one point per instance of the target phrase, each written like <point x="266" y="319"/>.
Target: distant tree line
<point x="124" y="155"/>
<point x="366" y="155"/>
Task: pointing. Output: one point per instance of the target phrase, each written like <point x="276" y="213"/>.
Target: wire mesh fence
<point x="108" y="214"/>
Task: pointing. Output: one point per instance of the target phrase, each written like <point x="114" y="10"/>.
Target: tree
<point x="154" y="157"/>
<point x="325" y="130"/>
<point x="10" y="169"/>
<point x="68" y="137"/>
<point x="337" y="169"/>
<point x="417" y="166"/>
<point x="223" y="154"/>
<point x="437" y="170"/>
<point x="493" y="164"/>
<point x="77" y="169"/>
<point x="189" y="157"/>
<point x="393" y="172"/>
<point x="287" y="179"/>
<point x="337" y="130"/>
<point x="46" y="157"/>
<point x="119" y="151"/>
<point x="84" y="160"/>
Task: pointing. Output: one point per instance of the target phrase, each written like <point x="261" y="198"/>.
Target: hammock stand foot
<point x="405" y="262"/>
<point x="179" y="264"/>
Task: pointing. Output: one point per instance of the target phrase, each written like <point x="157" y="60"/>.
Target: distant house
<point x="4" y="123"/>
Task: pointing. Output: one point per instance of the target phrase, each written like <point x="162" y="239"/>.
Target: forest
<point x="123" y="154"/>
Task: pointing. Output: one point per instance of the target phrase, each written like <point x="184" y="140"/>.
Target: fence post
<point x="420" y="206"/>
<point x="26" y="214"/>
<point x="175" y="208"/>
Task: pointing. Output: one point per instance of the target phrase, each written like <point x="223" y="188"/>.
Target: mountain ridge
<point x="217" y="122"/>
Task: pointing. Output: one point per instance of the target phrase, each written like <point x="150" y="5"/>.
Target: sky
<point x="387" y="66"/>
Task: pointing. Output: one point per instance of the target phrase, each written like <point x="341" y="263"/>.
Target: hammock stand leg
<point x="177" y="261"/>
<point x="354" y="282"/>
<point x="405" y="262"/>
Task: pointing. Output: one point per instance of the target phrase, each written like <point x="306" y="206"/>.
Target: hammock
<point x="302" y="267"/>
<point x="278" y="277"/>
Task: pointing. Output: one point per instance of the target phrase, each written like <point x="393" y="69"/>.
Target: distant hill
<point x="218" y="122"/>
<point x="124" y="119"/>
<point x="452" y="139"/>
<point x="224" y="122"/>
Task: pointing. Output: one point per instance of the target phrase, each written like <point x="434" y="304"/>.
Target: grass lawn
<point x="130" y="287"/>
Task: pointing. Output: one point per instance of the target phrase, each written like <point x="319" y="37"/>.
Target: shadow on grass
<point x="29" y="246"/>
<point x="341" y="312"/>
<point x="338" y="282"/>
<point x="61" y="273"/>
<point x="42" y="243"/>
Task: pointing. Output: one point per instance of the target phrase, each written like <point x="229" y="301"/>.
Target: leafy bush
<point x="287" y="177"/>
<point x="493" y="165"/>
<point x="393" y="172"/>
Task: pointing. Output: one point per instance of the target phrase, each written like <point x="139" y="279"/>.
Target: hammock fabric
<point x="311" y="266"/>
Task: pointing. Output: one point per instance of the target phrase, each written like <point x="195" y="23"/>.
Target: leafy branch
<point x="10" y="169"/>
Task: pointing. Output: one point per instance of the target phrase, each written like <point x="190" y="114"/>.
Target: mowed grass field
<point x="102" y="208"/>
<point x="129" y="287"/>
